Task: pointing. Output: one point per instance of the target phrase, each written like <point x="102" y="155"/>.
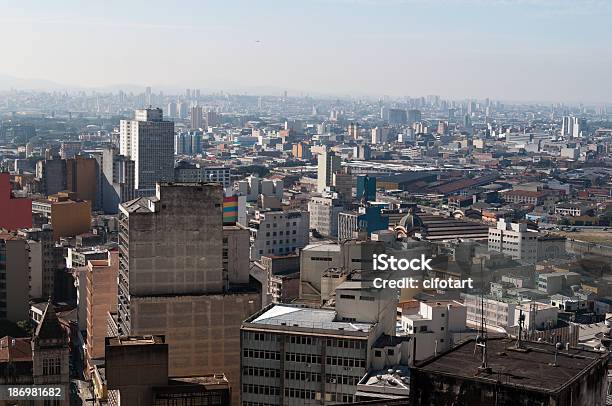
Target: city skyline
<point x="507" y="50"/>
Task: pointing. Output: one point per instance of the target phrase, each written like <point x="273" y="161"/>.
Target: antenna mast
<point x="481" y="340"/>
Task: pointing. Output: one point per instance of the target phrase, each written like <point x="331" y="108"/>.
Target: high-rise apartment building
<point x="116" y="179"/>
<point x="148" y="140"/>
<point x="82" y="178"/>
<point x="414" y="116"/>
<point x="343" y="183"/>
<point x="14" y="213"/>
<point x="14" y="277"/>
<point x="51" y="174"/>
<point x="172" y="279"/>
<point x="101" y="276"/>
<point x="196" y="117"/>
<point x="172" y="110"/>
<point x="45" y="261"/>
<point x="328" y="163"/>
<point x="366" y="188"/>
<point x="397" y="116"/>
<point x="572" y="127"/>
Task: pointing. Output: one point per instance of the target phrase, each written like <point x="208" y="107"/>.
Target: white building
<point x="148" y="140"/>
<point x="316" y="283"/>
<point x="514" y="240"/>
<point x="294" y="355"/>
<point x="434" y="326"/>
<point x="554" y="282"/>
<point x="328" y="164"/>
<point x="497" y="312"/>
<point x="537" y="315"/>
<point x="324" y="212"/>
<point x="197" y="173"/>
<point x="253" y="186"/>
<point x="276" y="232"/>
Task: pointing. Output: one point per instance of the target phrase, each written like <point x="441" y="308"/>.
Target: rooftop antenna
<point x="520" y="331"/>
<point x="481" y="339"/>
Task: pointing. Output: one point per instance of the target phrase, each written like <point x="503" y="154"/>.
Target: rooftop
<point x="305" y="317"/>
<point x="531" y="367"/>
<point x="135" y="340"/>
<point x="392" y="383"/>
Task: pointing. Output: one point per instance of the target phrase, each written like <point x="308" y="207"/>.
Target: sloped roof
<point x="50" y="326"/>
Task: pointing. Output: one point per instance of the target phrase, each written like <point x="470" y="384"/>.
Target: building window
<point x="51" y="366"/>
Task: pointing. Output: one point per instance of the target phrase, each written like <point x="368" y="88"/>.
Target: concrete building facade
<point x="328" y="164"/>
<point x="148" y="140"/>
<point x="101" y="298"/>
<point x="294" y="355"/>
<point x="277" y="232"/>
<point x="324" y="211"/>
<point x="172" y="280"/>
<point x="14" y="277"/>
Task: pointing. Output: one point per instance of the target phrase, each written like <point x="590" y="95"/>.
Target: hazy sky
<point x="548" y="50"/>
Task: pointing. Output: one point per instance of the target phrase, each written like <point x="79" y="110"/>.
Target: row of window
<point x="280" y="241"/>
<point x="345" y="362"/>
<point x="260" y="389"/>
<point x="342" y="379"/>
<point x="265" y="372"/>
<point x="279" y="233"/>
<point x="263" y="354"/>
<point x="276" y="225"/>
<point x="300" y="393"/>
<point x="303" y="376"/>
<point x="352" y="297"/>
<point x="307" y="358"/>
<point x="305" y="340"/>
<point x="342" y="343"/>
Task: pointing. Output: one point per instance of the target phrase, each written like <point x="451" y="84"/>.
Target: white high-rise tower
<point x="148" y="140"/>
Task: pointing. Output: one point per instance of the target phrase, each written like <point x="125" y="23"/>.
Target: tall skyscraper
<point x="14" y="274"/>
<point x="116" y="179"/>
<point x="148" y="97"/>
<point x="172" y="110"/>
<point x="196" y="117"/>
<point x="328" y="163"/>
<point x="366" y="188"/>
<point x="172" y="279"/>
<point x="414" y="116"/>
<point x="182" y="108"/>
<point x="572" y="126"/>
<point x="148" y="140"/>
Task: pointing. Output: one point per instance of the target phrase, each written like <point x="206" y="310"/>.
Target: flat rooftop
<point x="531" y="367"/>
<point x="306" y="317"/>
<point x="135" y="340"/>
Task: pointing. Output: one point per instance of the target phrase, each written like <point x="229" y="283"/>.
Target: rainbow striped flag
<point x="230" y="210"/>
